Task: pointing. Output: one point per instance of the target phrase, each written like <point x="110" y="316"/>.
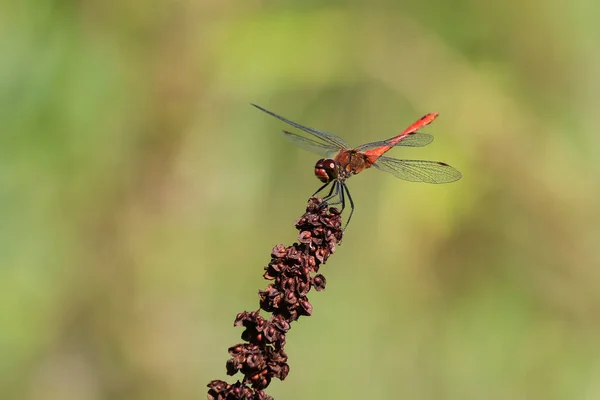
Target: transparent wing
<point x="325" y="136"/>
<point x="322" y="149"/>
<point x="418" y="170"/>
<point x="415" y="140"/>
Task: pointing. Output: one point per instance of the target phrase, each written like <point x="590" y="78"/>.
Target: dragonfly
<point x="341" y="161"/>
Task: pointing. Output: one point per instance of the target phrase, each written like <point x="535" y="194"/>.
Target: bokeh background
<point x="141" y="195"/>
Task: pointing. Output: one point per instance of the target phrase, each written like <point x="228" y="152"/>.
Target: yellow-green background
<point x="141" y="194"/>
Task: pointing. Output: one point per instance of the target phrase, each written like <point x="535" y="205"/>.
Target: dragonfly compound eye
<point x="326" y="170"/>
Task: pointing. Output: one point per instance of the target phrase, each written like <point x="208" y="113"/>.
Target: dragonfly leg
<point x="339" y="194"/>
<point x="332" y="195"/>
<point x="329" y="195"/>
<point x="345" y="188"/>
<point x="340" y="189"/>
<point x="342" y="198"/>
<point x="323" y="187"/>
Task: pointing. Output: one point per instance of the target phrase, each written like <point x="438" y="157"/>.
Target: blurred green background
<point x="141" y="195"/>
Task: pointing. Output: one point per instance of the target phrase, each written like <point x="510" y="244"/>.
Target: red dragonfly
<point x="342" y="161"/>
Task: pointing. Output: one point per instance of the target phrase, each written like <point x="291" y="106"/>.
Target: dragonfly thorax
<point x="326" y="170"/>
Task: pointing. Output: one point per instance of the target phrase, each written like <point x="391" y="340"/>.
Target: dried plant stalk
<point x="293" y="271"/>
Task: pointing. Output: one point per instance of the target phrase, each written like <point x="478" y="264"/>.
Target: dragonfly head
<point x="326" y="170"/>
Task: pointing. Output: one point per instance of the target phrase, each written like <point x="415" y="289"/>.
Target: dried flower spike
<point x="292" y="272"/>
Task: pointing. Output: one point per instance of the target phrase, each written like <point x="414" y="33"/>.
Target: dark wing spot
<point x="443" y="163"/>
